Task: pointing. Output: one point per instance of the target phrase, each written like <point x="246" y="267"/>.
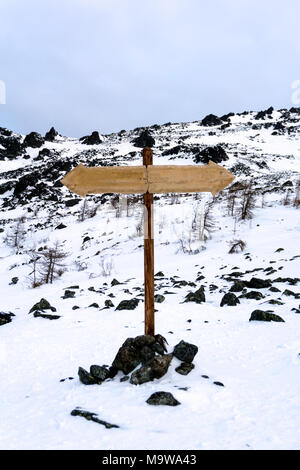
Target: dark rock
<point x="92" y="417"/>
<point x="46" y="315"/>
<point x="158" y="348"/>
<point x="290" y="280"/>
<point x="72" y="202"/>
<point x="263" y="114"/>
<point x="216" y="154"/>
<point x="108" y="303"/>
<point x="50" y="135"/>
<point x="147" y="354"/>
<point x="68" y="294"/>
<point x="291" y="293"/>
<point x="29" y="180"/>
<point x="115" y="282"/>
<point x="34" y="140"/>
<point x="162" y="398"/>
<point x="154" y="369"/>
<point x="159" y="274"/>
<point x="185" y="352"/>
<point x="95" y="305"/>
<point x="256" y="283"/>
<point x="161" y="340"/>
<point x="13" y="146"/>
<point x="274" y="289"/>
<point x="99" y="373"/>
<point x="85" y="377"/>
<point x="211" y="120"/>
<point x="260" y="315"/>
<point x="43" y="304"/>
<point x="14" y="280"/>
<point x="219" y="383"/>
<point x="252" y="295"/>
<point x="185" y="368"/>
<point x="295" y="110"/>
<point x="237" y="286"/>
<point x="60" y="226"/>
<point x="93" y="139"/>
<point x="75" y="307"/>
<point x="128" y="357"/>
<point x="128" y="304"/>
<point x="159" y="298"/>
<point x="198" y="296"/>
<point x="6" y="186"/>
<point x="144" y="140"/>
<point x="229" y="299"/>
<point x="124" y="378"/>
<point x="275" y="302"/>
<point x="5" y="318"/>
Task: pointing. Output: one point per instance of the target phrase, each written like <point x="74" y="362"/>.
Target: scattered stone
<point x="198" y="296"/>
<point x="290" y="293"/>
<point x="72" y="202"/>
<point x="229" y="299"/>
<point x="216" y="154"/>
<point x="46" y="315"/>
<point x="147" y="354"/>
<point x="162" y="398"/>
<point x="115" y="282"/>
<point x="159" y="274"/>
<point x="85" y="377"/>
<point x="252" y="295"/>
<point x="185" y="368"/>
<point x="124" y="378"/>
<point x="95" y="305"/>
<point x="205" y="376"/>
<point x="5" y="318"/>
<point x="291" y="280"/>
<point x="219" y="383"/>
<point x="43" y="304"/>
<point x="237" y="286"/>
<point x="92" y="417"/>
<point x="108" y="303"/>
<point x="260" y="315"/>
<point x="158" y="348"/>
<point x="128" y="304"/>
<point x="60" y="226"/>
<point x="154" y="369"/>
<point x="256" y="283"/>
<point x="159" y="298"/>
<point x="75" y="307"/>
<point x="68" y="294"/>
<point x="99" y="373"/>
<point x="14" y="280"/>
<point x="129" y="354"/>
<point x="185" y="352"/>
<point x="275" y="302"/>
<point x="274" y="289"/>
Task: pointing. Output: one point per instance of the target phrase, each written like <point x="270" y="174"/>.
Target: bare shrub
<point x="236" y="246"/>
<point x="246" y="203"/>
<point x="106" y="264"/>
<point x="16" y="235"/>
<point x="52" y="263"/>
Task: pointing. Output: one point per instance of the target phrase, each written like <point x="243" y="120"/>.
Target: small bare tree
<point x="52" y="265"/>
<point x="207" y="221"/>
<point x="34" y="258"/>
<point x="236" y="246"/>
<point x="246" y="203"/>
<point x="16" y="234"/>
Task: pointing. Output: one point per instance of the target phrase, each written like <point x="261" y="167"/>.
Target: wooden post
<point x="148" y="251"/>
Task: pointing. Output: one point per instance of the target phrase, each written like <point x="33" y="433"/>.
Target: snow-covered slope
<point x="257" y="362"/>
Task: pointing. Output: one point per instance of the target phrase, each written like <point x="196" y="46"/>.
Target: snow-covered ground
<point x="258" y="362"/>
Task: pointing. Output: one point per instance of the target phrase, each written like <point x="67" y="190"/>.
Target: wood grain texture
<point x="188" y="178"/>
<point x="107" y="179"/>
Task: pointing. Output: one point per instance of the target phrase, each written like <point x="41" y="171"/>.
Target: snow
<point x="258" y="362"/>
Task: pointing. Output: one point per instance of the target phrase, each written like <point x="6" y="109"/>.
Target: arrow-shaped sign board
<point x="148" y="179"/>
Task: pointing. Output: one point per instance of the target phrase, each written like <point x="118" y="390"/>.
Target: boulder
<point x="85" y="377"/>
<point x="256" y="283"/>
<point x="128" y="304"/>
<point x="144" y="140"/>
<point x="93" y="139"/>
<point x="252" y="295"/>
<point x="34" y="140"/>
<point x="50" y="135"/>
<point x="237" y="286"/>
<point x="198" y="296"/>
<point x="159" y="298"/>
<point x="162" y="398"/>
<point x="5" y="318"/>
<point x="229" y="299"/>
<point x="43" y="304"/>
<point x="185" y="368"/>
<point x="185" y="352"/>
<point x="99" y="373"/>
<point x="154" y="369"/>
<point x="129" y="355"/>
<point x="216" y="154"/>
<point x="260" y="315"/>
<point x="211" y="120"/>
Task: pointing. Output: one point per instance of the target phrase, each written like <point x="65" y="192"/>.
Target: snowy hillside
<point x="86" y="256"/>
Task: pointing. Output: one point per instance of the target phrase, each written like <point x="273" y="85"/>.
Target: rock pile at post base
<point x="145" y="357"/>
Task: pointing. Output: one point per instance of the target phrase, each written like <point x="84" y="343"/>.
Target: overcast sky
<point x="107" y="65"/>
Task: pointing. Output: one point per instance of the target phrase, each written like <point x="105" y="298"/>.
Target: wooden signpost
<point x="146" y="180"/>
